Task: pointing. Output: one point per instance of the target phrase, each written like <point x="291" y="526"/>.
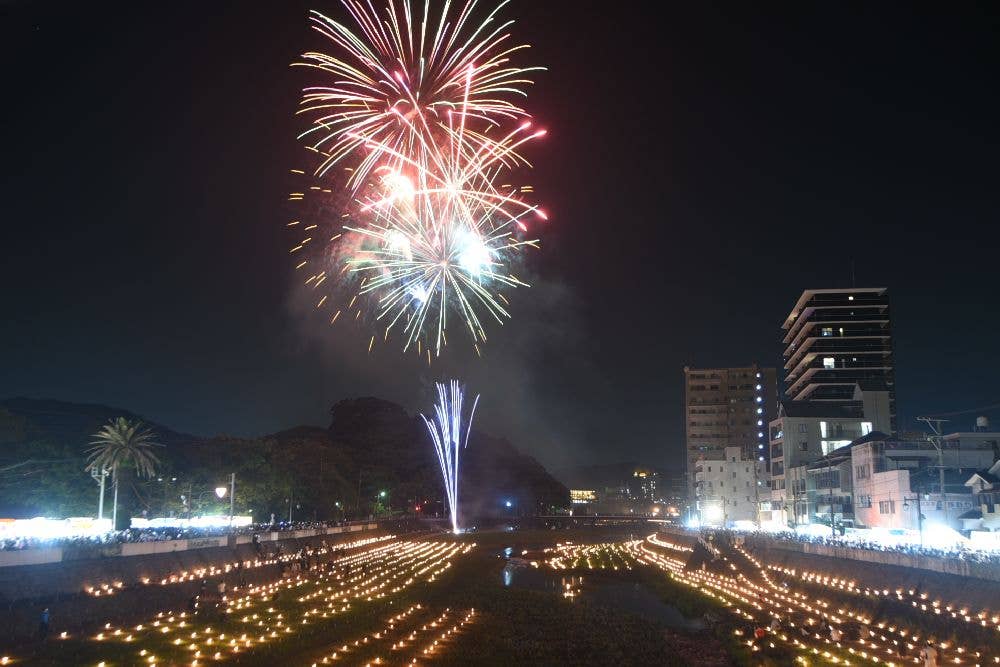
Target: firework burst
<point x="418" y="119"/>
<point x="397" y="78"/>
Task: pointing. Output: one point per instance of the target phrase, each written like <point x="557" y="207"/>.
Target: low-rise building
<point x="891" y="475"/>
<point x="731" y="489"/>
<point x="983" y="521"/>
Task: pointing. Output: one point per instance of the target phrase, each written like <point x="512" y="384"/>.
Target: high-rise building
<point x="839" y="386"/>
<point x="836" y="340"/>
<point x="727" y="407"/>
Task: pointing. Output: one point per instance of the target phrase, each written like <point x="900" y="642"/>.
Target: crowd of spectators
<point x="957" y="551"/>
<point x="158" y="535"/>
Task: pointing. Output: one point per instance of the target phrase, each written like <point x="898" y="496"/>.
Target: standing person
<point x="43" y="625"/>
<point x="929" y="654"/>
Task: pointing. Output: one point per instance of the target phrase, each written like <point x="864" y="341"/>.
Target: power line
<point x="29" y="461"/>
<point x="985" y="408"/>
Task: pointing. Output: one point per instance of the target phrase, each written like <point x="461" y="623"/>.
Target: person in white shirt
<point x="929" y="655"/>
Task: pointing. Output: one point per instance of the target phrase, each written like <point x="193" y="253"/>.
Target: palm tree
<point x="121" y="443"/>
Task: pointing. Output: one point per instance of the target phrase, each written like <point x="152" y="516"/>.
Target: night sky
<point x="703" y="166"/>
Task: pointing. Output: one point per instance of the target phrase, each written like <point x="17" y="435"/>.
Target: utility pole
<point x="920" y="515"/>
<point x="357" y="504"/>
<point x="833" y="529"/>
<point x="232" y="499"/>
<point x="114" y="511"/>
<point x="100" y="476"/>
<point x="935" y="425"/>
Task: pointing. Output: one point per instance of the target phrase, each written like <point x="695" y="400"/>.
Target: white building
<point x="730" y="489"/>
<point x="984" y="520"/>
<point x="891" y="476"/>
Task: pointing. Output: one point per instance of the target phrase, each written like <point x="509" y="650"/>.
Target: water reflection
<point x="628" y="596"/>
<point x="519" y="575"/>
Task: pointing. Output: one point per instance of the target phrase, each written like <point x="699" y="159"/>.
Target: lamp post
<point x="221" y="491"/>
<point x="232" y="499"/>
<point x="166" y="482"/>
<point x="381" y="495"/>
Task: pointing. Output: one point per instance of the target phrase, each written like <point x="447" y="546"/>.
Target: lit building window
<point x="866" y="428"/>
<point x="822" y="429"/>
<point x="828" y="362"/>
<point x="827" y="331"/>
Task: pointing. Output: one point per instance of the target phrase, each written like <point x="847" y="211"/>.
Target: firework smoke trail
<point x="447" y="436"/>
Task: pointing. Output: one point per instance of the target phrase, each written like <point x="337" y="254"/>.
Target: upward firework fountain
<point x="447" y="436"/>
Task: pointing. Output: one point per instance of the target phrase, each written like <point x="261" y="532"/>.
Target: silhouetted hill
<point x="23" y="419"/>
<point x="371" y="445"/>
<point x="493" y="471"/>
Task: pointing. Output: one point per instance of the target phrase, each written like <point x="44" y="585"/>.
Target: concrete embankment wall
<point x="26" y="590"/>
<point x="89" y="551"/>
<point x="977" y="593"/>
<point x="153" y="561"/>
<point x="947" y="588"/>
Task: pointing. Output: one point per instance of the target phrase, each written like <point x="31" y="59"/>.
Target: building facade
<point x="727" y="407"/>
<point x="835" y="340"/>
<point x="730" y="488"/>
<point x="984" y="520"/>
<point x="891" y="475"/>
<point x="805" y="432"/>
